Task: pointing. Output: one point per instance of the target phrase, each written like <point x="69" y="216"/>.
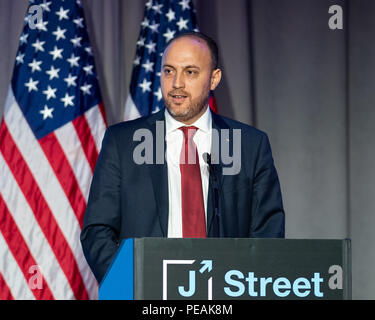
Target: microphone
<point x="207" y="158"/>
<point x="214" y="180"/>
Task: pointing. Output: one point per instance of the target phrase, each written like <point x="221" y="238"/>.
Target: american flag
<point x="50" y="136"/>
<point x="162" y="21"/>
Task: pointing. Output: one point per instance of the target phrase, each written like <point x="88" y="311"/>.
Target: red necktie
<point x="193" y="217"/>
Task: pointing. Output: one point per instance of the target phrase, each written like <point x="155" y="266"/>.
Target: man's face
<point x="187" y="78"/>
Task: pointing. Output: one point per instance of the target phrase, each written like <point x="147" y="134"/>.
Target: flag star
<point x="76" y="41"/>
<point x="63" y="14"/>
<point x="141" y="42"/>
<point x="154" y="27"/>
<point x="171" y="15"/>
<point x="137" y="60"/>
<point x="157" y="108"/>
<point x="59" y="33"/>
<point x="35" y="65"/>
<point x="184" y="4"/>
<point x="31" y="85"/>
<point x="88" y="50"/>
<point x="86" y="88"/>
<point x="70" y="80"/>
<point x="151" y="47"/>
<point x="73" y="60"/>
<point x="56" y="53"/>
<point x="19" y="58"/>
<point x="41" y="25"/>
<point x="157" y="8"/>
<point x="50" y="93"/>
<point x="53" y="73"/>
<point x="23" y="38"/>
<point x="27" y="19"/>
<point x="158" y="94"/>
<point x="182" y="24"/>
<point x="169" y="35"/>
<point x="149" y="66"/>
<point x="78" y="22"/>
<point x="149" y="4"/>
<point x="145" y="85"/>
<point x="88" y="69"/>
<point x="38" y="45"/>
<point x="46" y="112"/>
<point x="45" y="6"/>
<point x="145" y="23"/>
<point x="68" y="100"/>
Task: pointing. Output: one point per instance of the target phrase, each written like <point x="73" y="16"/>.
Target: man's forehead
<point x="187" y="50"/>
<point x="185" y="42"/>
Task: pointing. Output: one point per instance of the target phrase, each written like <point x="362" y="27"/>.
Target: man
<point x="193" y="191"/>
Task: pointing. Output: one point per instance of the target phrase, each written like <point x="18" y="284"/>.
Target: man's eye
<point x="191" y="72"/>
<point x="167" y="71"/>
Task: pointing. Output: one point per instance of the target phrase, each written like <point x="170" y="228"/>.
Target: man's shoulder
<point x="130" y="126"/>
<point x="225" y="122"/>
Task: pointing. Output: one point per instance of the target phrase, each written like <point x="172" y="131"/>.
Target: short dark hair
<point x="211" y="44"/>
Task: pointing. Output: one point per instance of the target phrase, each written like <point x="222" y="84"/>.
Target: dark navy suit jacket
<point x="130" y="200"/>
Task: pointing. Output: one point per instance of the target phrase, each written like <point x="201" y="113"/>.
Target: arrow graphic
<point x="207" y="265"/>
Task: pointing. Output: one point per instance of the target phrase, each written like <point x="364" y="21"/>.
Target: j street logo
<point x="197" y="277"/>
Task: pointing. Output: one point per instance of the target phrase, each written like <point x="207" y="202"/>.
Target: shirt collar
<point x="204" y="123"/>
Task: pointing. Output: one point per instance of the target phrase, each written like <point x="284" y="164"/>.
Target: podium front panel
<point x="238" y="269"/>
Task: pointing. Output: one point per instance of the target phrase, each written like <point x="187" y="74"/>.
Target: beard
<point x="184" y="114"/>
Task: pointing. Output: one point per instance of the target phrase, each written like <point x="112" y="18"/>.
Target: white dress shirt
<point x="174" y="139"/>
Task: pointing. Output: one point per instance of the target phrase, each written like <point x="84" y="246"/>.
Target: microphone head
<point x="207" y="158"/>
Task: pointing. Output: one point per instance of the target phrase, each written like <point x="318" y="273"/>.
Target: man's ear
<point x="215" y="78"/>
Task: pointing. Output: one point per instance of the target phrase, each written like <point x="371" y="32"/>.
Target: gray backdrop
<point x="286" y="72"/>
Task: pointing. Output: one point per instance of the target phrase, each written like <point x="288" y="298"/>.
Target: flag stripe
<point x="71" y="145"/>
<point x="64" y="173"/>
<point x="12" y="273"/>
<point x="87" y="140"/>
<point x="42" y="212"/>
<point x="102" y="111"/>
<point x="212" y="103"/>
<point x="33" y="235"/>
<point x="131" y="111"/>
<point x="20" y="250"/>
<point x="43" y="174"/>
<point x="96" y="120"/>
<point x="5" y="293"/>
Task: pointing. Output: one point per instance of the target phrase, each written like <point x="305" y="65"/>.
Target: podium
<point x="221" y="269"/>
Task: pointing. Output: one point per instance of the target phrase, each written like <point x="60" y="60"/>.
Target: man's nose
<point x="178" y="81"/>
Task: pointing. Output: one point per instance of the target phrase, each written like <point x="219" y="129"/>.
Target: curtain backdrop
<point x="287" y="73"/>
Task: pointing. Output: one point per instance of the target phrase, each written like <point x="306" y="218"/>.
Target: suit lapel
<point x="159" y="170"/>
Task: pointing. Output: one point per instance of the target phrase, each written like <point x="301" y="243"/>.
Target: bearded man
<point x="182" y="184"/>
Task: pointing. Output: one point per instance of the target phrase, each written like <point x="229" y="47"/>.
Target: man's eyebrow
<point x="167" y="65"/>
<point x="192" y="66"/>
<point x="186" y="67"/>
